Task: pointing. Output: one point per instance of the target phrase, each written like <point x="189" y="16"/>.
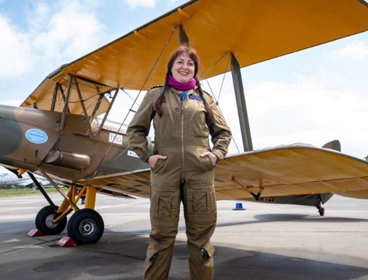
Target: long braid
<point x="209" y="114"/>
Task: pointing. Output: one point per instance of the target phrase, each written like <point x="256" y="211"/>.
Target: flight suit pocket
<point x="206" y="163"/>
<point x="165" y="204"/>
<point x="209" y="163"/>
<point x="201" y="201"/>
<point x="160" y="164"/>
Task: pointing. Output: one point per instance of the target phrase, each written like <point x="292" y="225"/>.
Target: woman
<point x="182" y="164"/>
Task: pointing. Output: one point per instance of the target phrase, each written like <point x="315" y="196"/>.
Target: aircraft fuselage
<point x="32" y="138"/>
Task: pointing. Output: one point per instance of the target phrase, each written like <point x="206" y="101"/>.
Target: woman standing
<point x="182" y="164"/>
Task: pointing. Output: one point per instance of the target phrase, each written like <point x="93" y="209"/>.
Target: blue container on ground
<point x="239" y="206"/>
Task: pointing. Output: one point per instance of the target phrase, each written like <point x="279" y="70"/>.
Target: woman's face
<point x="183" y="68"/>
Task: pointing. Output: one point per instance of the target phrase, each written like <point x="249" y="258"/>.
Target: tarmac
<point x="264" y="241"/>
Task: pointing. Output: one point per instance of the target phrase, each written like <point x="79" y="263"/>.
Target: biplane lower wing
<point x="127" y="183"/>
<point x="282" y="171"/>
<point x="291" y="170"/>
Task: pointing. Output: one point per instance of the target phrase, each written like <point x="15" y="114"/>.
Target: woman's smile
<point x="183" y="68"/>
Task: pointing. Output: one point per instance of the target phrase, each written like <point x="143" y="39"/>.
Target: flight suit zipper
<point x="182" y="142"/>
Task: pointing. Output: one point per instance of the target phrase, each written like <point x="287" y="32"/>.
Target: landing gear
<point x="86" y="226"/>
<point x="321" y="210"/>
<point x="44" y="221"/>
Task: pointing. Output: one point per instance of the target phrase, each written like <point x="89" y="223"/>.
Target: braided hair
<point x="193" y="56"/>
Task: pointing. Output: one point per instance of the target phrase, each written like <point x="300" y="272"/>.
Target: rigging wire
<point x="150" y="72"/>
<point x="140" y="91"/>
<point x="220" y="90"/>
<point x="215" y="63"/>
<point x="130" y="96"/>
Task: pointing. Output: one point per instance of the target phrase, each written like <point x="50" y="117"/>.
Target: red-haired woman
<point x="182" y="164"/>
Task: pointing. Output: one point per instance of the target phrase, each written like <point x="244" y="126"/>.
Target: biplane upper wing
<point x="252" y="30"/>
<point x="281" y="171"/>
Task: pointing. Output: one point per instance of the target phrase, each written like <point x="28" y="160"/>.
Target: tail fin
<point x="333" y="145"/>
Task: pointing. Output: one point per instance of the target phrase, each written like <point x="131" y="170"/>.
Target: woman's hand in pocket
<point x="211" y="156"/>
<point x="154" y="158"/>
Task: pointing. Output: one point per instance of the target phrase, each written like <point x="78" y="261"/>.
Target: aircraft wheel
<point x="44" y="222"/>
<point x="85" y="226"/>
<point x="321" y="211"/>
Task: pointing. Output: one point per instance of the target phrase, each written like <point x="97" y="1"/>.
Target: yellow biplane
<point x="58" y="131"/>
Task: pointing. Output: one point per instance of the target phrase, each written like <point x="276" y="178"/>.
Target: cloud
<point x="140" y="3"/>
<point x="70" y="32"/>
<point x="307" y="110"/>
<point x="55" y="33"/>
<point x="16" y="57"/>
<point x="354" y="50"/>
<point x="37" y="16"/>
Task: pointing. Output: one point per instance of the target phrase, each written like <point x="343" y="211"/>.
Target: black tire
<point x="44" y="220"/>
<point x="86" y="226"/>
<point x="321" y="212"/>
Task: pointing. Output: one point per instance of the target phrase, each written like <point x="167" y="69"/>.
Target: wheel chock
<point x="35" y="232"/>
<point x="66" y="241"/>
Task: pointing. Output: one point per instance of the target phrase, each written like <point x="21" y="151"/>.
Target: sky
<point x="313" y="96"/>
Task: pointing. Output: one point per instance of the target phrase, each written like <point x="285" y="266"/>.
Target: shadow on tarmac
<point x="14" y="227"/>
<point x="121" y="256"/>
<point x="264" y="218"/>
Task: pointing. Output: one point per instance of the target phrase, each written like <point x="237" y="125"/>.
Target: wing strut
<point x="54" y="95"/>
<point x="183" y="37"/>
<point x="239" y="93"/>
<point x="240" y="102"/>
<point x="107" y="112"/>
<point x="66" y="106"/>
<point x="135" y="100"/>
<point x="74" y="79"/>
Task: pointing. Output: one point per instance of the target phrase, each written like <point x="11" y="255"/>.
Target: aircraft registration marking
<point x="115" y="138"/>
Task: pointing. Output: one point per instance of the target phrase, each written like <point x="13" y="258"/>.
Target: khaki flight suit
<point x="181" y="134"/>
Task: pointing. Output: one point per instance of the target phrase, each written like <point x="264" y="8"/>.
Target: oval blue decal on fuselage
<point x="36" y="136"/>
